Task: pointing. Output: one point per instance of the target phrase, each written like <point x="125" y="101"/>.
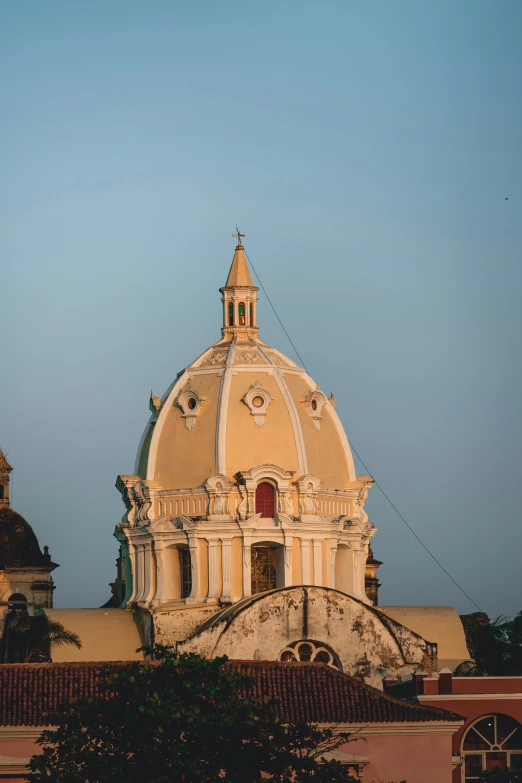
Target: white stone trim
<point x="340" y="430"/>
<point x="278" y="374"/>
<point x="221" y="423"/>
<point x="153" y="448"/>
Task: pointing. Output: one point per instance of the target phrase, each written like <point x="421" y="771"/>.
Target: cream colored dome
<point x="244" y="479"/>
<point x="242" y="404"/>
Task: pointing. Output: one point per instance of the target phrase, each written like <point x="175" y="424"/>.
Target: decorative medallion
<point x="315" y="402"/>
<point x="191" y="404"/>
<point x="258" y="400"/>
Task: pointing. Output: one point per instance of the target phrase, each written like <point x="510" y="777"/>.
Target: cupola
<point x="239" y="297"/>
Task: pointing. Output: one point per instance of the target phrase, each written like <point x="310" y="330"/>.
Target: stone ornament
<point x="217" y="357"/>
<point x="314" y="402"/>
<point x="218" y="488"/>
<point x="257" y="400"/>
<point x="191" y="404"/>
<point x="137" y="500"/>
<point x="247" y="356"/>
<point x="308" y="488"/>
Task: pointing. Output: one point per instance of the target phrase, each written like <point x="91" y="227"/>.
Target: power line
<point x="412" y="530"/>
<point x="381" y="490"/>
<point x="275" y="311"/>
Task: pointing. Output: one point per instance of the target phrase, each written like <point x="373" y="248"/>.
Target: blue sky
<point x="366" y="149"/>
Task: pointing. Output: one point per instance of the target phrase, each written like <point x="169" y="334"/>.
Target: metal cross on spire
<point x="238" y="235"/>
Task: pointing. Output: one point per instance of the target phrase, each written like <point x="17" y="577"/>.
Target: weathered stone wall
<point x="170" y="626"/>
<point x="368" y="644"/>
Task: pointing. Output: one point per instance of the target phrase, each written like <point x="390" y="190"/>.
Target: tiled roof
<point x="307" y="692"/>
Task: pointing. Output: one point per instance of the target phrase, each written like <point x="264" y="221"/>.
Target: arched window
<point x="265" y="499"/>
<point x="241" y="311"/>
<point x="251" y="314"/>
<point x="185" y="570"/>
<point x="308" y="650"/>
<point x="264" y="568"/>
<point x="231" y="314"/>
<point x="493" y="741"/>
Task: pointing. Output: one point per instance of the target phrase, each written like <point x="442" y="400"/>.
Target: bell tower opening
<point x="265" y="500"/>
<point x="264" y="568"/>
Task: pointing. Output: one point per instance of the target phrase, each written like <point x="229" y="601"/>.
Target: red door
<point x="265" y="500"/>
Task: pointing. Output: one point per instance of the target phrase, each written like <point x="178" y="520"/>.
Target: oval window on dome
<point x="258" y="402"/>
<point x="191" y="403"/>
<point x="314" y="405"/>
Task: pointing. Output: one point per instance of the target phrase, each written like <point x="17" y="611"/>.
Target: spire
<point x="4" y="465"/>
<point x="239" y="297"/>
<point x="239" y="274"/>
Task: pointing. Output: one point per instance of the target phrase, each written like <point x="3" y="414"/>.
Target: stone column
<point x="146" y="571"/>
<point x="318" y="563"/>
<point x="127" y="568"/>
<point x="160" y="574"/>
<point x="332" y="554"/>
<point x="134" y="566"/>
<point x="305" y="562"/>
<point x="359" y="569"/>
<point x="140" y="573"/>
<point x="195" y="594"/>
<point x="288" y="560"/>
<point x="226" y="569"/>
<point x="212" y="572"/>
<point x="247" y="565"/>
<point x="152" y="570"/>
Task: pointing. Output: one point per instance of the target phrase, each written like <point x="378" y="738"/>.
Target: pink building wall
<point x="393" y="757"/>
<point x="416" y="758"/>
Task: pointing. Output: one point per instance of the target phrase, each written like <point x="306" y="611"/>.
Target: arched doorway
<point x="265" y="500"/>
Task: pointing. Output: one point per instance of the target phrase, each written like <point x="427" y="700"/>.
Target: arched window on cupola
<point x="241" y="312"/>
<point x="251" y="314"/>
<point x="265" y="496"/>
<point x="231" y="314"/>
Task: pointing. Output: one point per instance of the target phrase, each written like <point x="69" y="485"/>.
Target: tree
<point x="501" y="775"/>
<point x="31" y="639"/>
<point x="183" y="718"/>
<point x="496" y="647"/>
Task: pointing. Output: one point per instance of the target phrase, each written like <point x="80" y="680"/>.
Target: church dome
<point x="240" y="404"/>
<point x="18" y="543"/>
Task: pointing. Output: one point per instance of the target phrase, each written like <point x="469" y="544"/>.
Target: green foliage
<point x="497" y="648"/>
<point x="499" y="775"/>
<point x="33" y="638"/>
<point x="182" y="719"/>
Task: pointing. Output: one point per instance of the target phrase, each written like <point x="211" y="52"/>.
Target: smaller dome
<point x="18" y="543"/>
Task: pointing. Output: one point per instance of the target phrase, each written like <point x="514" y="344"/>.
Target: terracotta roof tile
<point x="306" y="691"/>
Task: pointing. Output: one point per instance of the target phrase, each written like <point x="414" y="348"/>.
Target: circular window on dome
<point x="191" y="404"/>
<point x="309" y="651"/>
<point x="258" y="402"/>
